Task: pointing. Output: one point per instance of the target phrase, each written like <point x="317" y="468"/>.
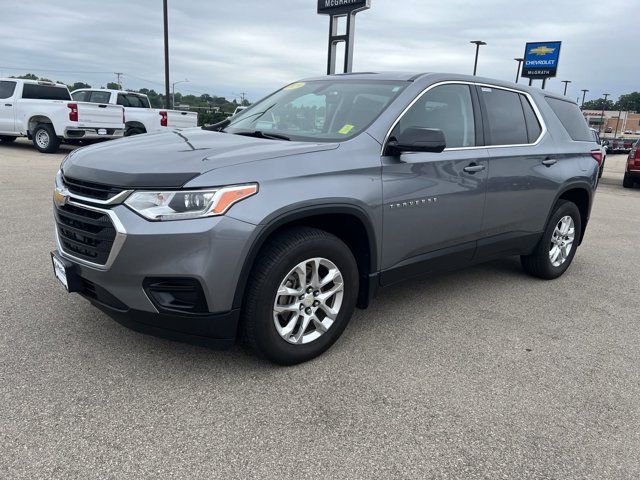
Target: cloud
<point x="255" y="46"/>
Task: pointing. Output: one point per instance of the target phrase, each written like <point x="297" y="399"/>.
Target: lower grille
<point x="86" y="234"/>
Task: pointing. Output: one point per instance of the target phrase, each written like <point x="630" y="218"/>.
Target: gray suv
<point x="274" y="225"/>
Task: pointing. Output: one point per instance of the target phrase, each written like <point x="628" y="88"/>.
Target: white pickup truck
<point x="45" y="113"/>
<point x="140" y="117"/>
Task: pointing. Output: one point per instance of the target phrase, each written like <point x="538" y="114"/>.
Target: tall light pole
<point x="605" y="95"/>
<point x="566" y="83"/>
<point x="477" y="43"/>
<point x="584" y="93"/>
<point x="519" y="60"/>
<point x="166" y="53"/>
<point x="173" y="92"/>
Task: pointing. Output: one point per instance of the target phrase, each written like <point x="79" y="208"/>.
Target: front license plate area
<point x="66" y="274"/>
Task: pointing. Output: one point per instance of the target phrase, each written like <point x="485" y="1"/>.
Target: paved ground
<point x="484" y="373"/>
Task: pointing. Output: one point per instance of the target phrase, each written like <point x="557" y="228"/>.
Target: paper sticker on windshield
<point x="293" y="86"/>
<point x="346" y="129"/>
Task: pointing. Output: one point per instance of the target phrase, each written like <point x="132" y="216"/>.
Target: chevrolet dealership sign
<point x="342" y="7"/>
<point x="541" y="59"/>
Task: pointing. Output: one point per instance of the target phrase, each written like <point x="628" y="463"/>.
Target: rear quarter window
<point x="571" y="118"/>
<point x="45" y="92"/>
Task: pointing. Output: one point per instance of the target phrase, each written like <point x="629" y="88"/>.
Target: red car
<point x="632" y="171"/>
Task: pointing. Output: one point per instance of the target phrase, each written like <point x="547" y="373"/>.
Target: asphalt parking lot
<point x="483" y="373"/>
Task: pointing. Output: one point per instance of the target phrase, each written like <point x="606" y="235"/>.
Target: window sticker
<point x="346" y="129"/>
<point x="293" y="86"/>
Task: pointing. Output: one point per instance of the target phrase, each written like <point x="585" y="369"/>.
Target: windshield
<point x="322" y="110"/>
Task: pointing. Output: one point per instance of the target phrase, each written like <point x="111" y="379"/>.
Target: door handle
<point x="8" y="105"/>
<point x="547" y="162"/>
<point x="473" y="168"/>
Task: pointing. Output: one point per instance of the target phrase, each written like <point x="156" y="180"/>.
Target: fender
<point x="298" y="212"/>
<point x="573" y="185"/>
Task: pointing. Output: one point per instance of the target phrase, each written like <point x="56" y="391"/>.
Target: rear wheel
<point x="134" y="131"/>
<point x="7" y="139"/>
<point x="557" y="247"/>
<point x="627" y="181"/>
<point x="45" y="139"/>
<point x="300" y="297"/>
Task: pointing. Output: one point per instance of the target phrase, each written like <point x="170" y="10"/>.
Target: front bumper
<point x="208" y="250"/>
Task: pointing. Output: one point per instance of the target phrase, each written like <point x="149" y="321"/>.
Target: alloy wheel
<point x="562" y="241"/>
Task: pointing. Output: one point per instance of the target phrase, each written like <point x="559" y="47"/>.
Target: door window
<point x="100" y="97"/>
<point x="505" y="115"/>
<point x="82" y="96"/>
<point x="446" y="107"/>
<point x="6" y="89"/>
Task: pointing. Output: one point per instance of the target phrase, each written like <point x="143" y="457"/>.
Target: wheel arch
<point x="135" y="124"/>
<point x="581" y="195"/>
<point x="350" y="223"/>
<point x="36" y="119"/>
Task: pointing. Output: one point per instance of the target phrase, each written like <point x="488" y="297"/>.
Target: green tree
<point x="629" y="101"/>
<point x="113" y="86"/>
<point x="78" y="85"/>
<point x="599" y="104"/>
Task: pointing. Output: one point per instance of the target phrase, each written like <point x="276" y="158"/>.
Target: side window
<point x="134" y="101"/>
<point x="533" y="125"/>
<point x="6" y="89"/>
<point x="100" y="97"/>
<point x="571" y="118"/>
<point x="448" y="108"/>
<point x="81" y="96"/>
<point x="506" y="118"/>
<point x="122" y="100"/>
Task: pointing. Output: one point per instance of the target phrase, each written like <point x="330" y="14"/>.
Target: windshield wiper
<point x="260" y="134"/>
<point x="217" y="127"/>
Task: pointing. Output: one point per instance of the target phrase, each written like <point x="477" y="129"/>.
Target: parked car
<point x="360" y="181"/>
<point x="45" y="113"/>
<point x="608" y="130"/>
<point x="628" y="132"/>
<point x="239" y="109"/>
<point x="621" y="145"/>
<point x="632" y="170"/>
<point x="603" y="151"/>
<point x="140" y="117"/>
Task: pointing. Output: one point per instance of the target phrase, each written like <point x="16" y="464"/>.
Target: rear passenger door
<point x="522" y="170"/>
<point x="7" y="118"/>
<point x="433" y="202"/>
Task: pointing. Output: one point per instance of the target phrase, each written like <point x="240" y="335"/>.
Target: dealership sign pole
<point x="337" y="9"/>
<point x="541" y="61"/>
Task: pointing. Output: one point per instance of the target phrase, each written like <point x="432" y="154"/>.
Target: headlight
<point x="184" y="204"/>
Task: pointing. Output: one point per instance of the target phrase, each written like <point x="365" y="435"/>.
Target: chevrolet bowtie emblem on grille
<point x="542" y="50"/>
<point x="60" y="197"/>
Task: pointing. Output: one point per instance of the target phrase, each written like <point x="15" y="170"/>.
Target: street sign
<point x="342" y="7"/>
<point x="541" y="59"/>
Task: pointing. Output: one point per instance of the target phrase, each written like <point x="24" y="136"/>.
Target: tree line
<point x="626" y="102"/>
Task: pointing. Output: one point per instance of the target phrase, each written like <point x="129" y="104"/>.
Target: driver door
<point x="433" y="202"/>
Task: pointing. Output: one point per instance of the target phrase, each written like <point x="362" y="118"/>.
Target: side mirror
<point x="418" y="139"/>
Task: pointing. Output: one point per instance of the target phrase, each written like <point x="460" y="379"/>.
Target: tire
<point x="7" y="139"/>
<point x="134" y="131"/>
<point x="539" y="263"/>
<point x="45" y="139"/>
<point x="275" y="265"/>
<point x="628" y="181"/>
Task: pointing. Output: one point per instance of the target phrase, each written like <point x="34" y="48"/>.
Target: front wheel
<point x="45" y="139"/>
<point x="300" y="297"/>
<point x="557" y="247"/>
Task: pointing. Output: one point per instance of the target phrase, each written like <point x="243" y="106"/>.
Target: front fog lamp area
<point x="180" y="205"/>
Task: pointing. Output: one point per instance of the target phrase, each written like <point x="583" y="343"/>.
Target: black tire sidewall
<point x="54" y="143"/>
<point x="267" y="338"/>
<point x="563" y="209"/>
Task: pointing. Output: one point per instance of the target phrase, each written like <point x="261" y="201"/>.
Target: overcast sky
<point x="225" y="47"/>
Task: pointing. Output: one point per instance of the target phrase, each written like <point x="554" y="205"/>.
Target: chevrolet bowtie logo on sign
<point x="542" y="50"/>
<point x="541" y="59"/>
<point x="342" y="7"/>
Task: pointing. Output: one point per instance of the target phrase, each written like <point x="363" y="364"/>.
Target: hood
<point x="171" y="159"/>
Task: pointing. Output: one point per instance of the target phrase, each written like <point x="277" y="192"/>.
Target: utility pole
<point x="566" y="83"/>
<point x="603" y="105"/>
<point x="519" y="60"/>
<point x="119" y="75"/>
<point x="477" y="44"/>
<point x="584" y="93"/>
<point x="617" y="123"/>
<point x="167" y="99"/>
<point x="242" y="96"/>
